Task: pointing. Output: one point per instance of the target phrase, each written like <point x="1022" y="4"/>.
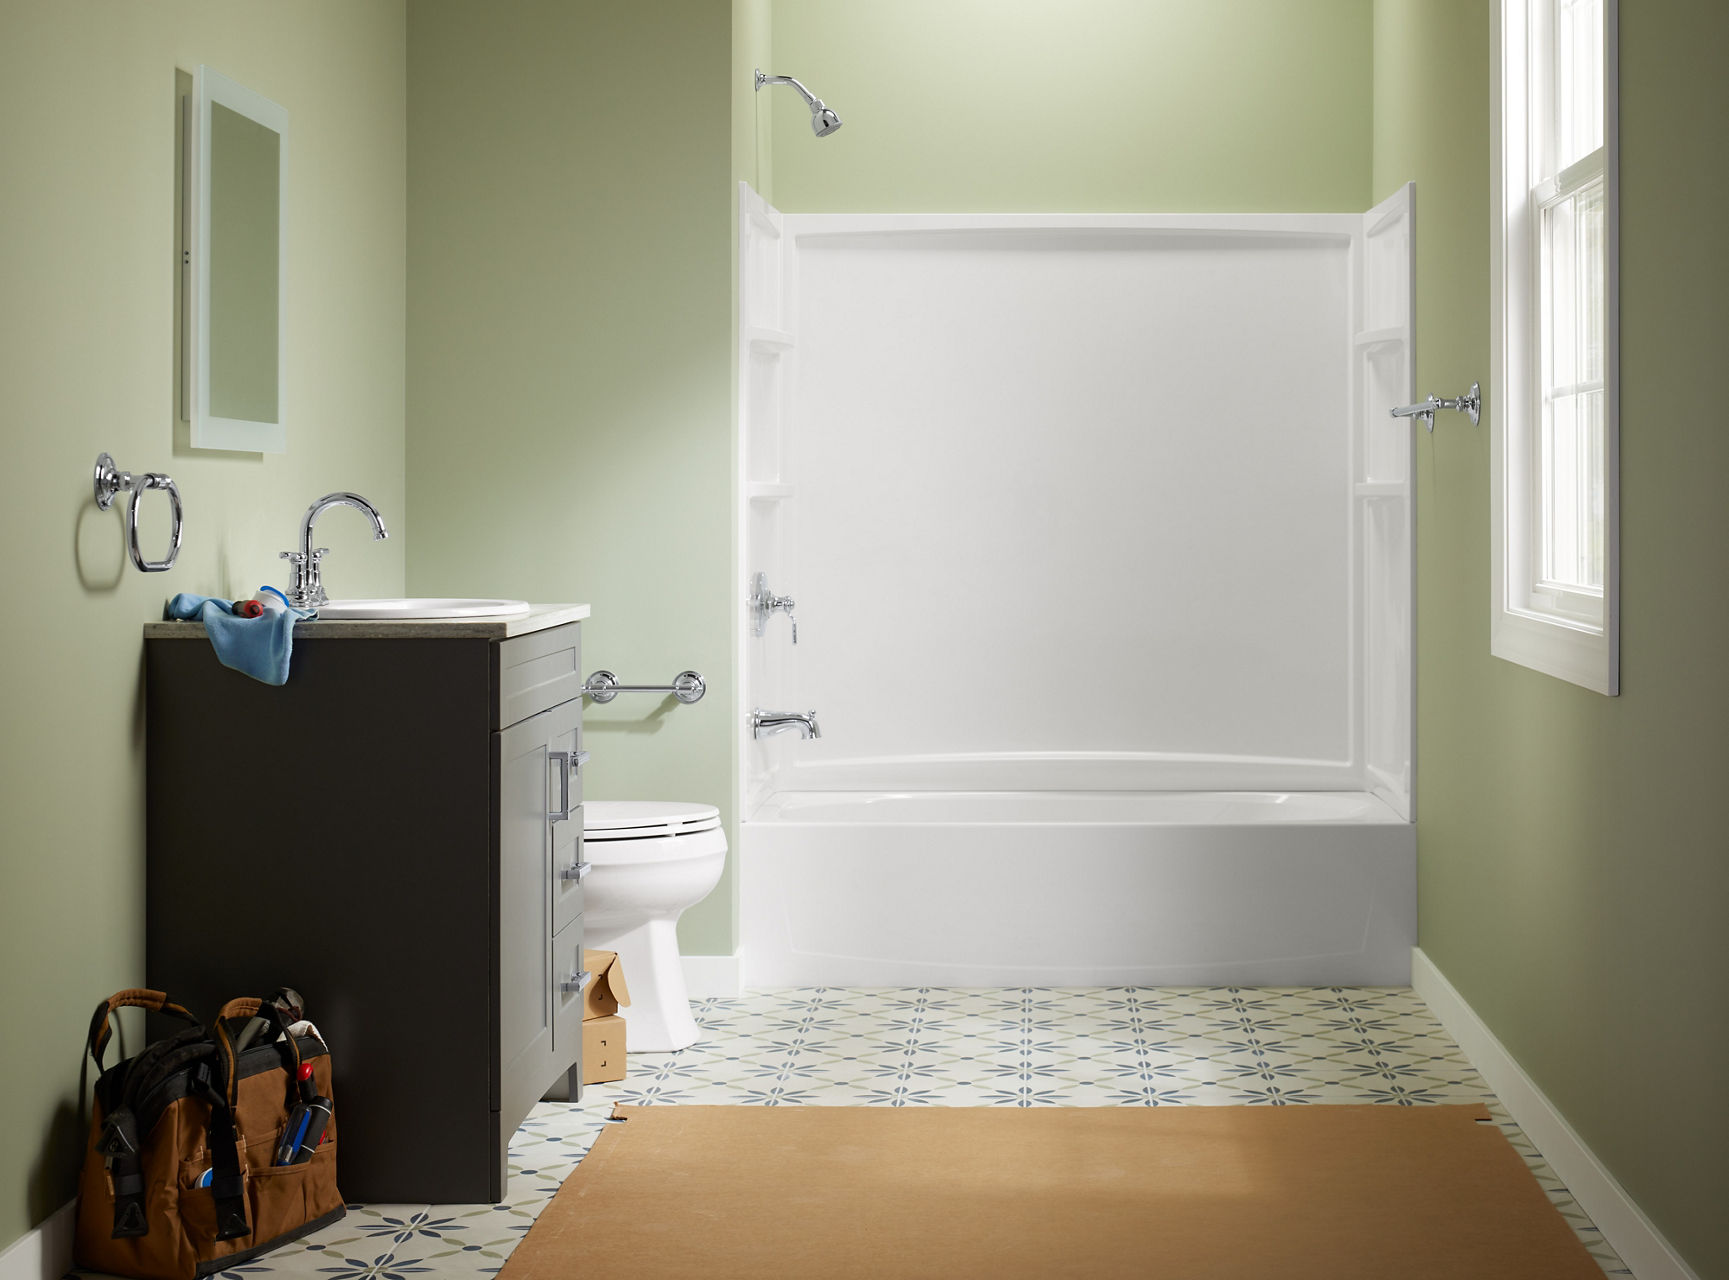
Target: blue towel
<point x="257" y="647"/>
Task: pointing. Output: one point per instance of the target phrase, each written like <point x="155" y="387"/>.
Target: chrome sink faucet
<point x="306" y="585"/>
<point x="764" y="724"/>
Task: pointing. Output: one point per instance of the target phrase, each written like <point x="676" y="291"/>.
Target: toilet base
<point x="658" y="1018"/>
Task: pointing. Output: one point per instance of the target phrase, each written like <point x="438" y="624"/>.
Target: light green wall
<point x="1075" y="107"/>
<point x="752" y="119"/>
<point x="87" y="362"/>
<point x="570" y="354"/>
<point x="1571" y="847"/>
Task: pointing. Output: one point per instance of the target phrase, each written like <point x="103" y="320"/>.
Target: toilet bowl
<point x="649" y="861"/>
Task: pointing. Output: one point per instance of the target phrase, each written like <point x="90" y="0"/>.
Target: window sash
<point x="1569" y="630"/>
<point x="1564" y="499"/>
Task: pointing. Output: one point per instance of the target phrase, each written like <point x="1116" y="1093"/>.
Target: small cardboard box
<point x="602" y="1049"/>
<point x="606" y="990"/>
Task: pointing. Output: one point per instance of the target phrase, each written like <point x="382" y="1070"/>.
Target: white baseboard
<point x="708" y="977"/>
<point x="46" y="1252"/>
<point x="1626" y="1228"/>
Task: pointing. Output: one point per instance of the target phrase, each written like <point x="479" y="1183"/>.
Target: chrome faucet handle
<point x="305" y="582"/>
<point x="764" y="603"/>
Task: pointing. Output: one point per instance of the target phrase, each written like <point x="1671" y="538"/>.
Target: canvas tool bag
<point x="181" y="1179"/>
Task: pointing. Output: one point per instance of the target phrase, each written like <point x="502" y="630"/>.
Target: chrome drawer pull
<point x="576" y="982"/>
<point x="575" y="871"/>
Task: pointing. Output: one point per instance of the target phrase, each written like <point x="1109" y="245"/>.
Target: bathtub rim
<point x="1376" y="811"/>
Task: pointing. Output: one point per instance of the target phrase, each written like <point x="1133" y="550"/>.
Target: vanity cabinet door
<point x="524" y="920"/>
<point x="539" y="835"/>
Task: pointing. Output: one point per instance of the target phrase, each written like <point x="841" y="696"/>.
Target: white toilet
<point x="651" y="859"/>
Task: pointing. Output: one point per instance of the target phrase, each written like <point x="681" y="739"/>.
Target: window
<point x="1554" y="340"/>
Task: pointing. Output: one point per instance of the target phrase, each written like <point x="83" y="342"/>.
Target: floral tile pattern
<point x="1093" y="1047"/>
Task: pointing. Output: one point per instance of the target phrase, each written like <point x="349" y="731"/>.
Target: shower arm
<point x="810" y="99"/>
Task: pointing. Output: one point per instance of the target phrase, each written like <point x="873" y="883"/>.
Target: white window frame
<point x="1558" y="632"/>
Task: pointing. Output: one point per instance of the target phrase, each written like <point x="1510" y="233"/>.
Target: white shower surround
<point x="1073" y="504"/>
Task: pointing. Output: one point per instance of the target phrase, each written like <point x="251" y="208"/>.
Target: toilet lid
<point x="645" y="819"/>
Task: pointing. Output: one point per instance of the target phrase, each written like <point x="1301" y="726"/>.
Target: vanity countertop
<point x="538" y="618"/>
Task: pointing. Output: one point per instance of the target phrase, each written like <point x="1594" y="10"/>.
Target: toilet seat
<point x="645" y="819"/>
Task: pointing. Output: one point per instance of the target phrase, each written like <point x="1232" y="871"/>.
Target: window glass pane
<point x="1578" y="80"/>
<point x="1570" y="439"/>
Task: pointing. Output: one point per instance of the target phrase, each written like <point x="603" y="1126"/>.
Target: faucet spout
<point x="306" y="588"/>
<point x="341" y="498"/>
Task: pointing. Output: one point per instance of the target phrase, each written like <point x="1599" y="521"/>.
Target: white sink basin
<point x="423" y="607"/>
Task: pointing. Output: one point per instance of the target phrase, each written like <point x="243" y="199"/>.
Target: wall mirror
<point x="236" y="144"/>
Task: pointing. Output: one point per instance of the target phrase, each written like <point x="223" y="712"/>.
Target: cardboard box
<point x="602" y="1028"/>
<point x="602" y="1049"/>
<point x="606" y="990"/>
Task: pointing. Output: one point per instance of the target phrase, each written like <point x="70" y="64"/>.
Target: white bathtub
<point x="1076" y="888"/>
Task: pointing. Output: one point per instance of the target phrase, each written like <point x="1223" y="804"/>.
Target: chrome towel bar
<point x="686" y="686"/>
<point x="109" y="481"/>
<point x="1470" y="403"/>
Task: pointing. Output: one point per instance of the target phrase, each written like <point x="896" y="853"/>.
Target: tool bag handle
<point x="227" y="1178"/>
<point x="119" y="1141"/>
<point x="241" y="1009"/>
<point x="96" y="1043"/>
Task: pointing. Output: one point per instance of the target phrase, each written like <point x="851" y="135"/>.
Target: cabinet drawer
<point x="566" y="993"/>
<point x="537" y="671"/>
<point x="568" y="869"/>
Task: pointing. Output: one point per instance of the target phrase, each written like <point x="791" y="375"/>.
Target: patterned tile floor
<point x="968" y="1048"/>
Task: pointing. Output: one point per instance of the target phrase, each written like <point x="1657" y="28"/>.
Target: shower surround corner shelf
<point x="771" y="339"/>
<point x="1390" y="336"/>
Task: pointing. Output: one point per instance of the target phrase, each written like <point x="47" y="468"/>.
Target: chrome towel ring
<point x="109" y="482"/>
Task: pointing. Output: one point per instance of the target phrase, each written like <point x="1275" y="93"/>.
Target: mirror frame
<point x="208" y="431"/>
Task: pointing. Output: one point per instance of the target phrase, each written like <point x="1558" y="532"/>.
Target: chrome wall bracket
<point x="1470" y="403"/>
<point x="686" y="686"/>
<point x="109" y="482"/>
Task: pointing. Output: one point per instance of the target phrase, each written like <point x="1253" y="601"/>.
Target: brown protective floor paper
<point x="1209" y="1193"/>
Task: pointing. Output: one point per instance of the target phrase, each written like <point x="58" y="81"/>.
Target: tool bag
<point x="181" y="1178"/>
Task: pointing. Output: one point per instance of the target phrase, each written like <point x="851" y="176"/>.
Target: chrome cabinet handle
<point x="576" y="982"/>
<point x="562" y="813"/>
<point x="577" y="871"/>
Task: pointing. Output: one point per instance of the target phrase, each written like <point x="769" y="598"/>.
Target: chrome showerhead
<point x="822" y="121"/>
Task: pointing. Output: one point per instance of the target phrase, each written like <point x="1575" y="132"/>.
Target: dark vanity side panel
<point x="299" y="835"/>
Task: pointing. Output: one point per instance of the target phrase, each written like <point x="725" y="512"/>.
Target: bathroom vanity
<point x="397" y="834"/>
